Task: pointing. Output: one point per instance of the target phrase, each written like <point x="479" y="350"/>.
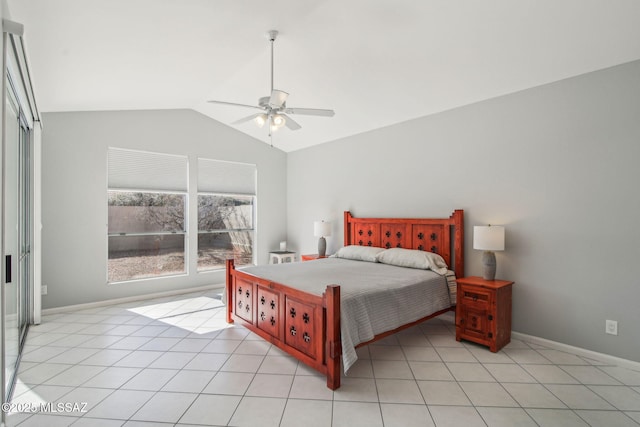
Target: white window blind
<point x="216" y="176"/>
<point x="142" y="170"/>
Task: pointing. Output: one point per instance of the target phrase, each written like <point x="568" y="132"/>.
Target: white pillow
<point x="358" y="253"/>
<point x="412" y="258"/>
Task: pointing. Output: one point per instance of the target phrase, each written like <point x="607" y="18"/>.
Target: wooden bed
<point x="307" y="326"/>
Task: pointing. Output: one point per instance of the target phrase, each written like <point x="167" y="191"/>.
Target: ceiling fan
<point x="274" y="110"/>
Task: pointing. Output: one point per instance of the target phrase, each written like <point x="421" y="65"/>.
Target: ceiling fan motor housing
<point x="264" y="101"/>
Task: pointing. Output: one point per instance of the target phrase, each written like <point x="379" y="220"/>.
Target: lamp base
<point x="322" y="247"/>
<point x="489" y="263"/>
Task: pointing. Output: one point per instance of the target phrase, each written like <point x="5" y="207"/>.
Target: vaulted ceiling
<point x="375" y="62"/>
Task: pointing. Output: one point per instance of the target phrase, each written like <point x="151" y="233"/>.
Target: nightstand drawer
<point x="476" y="297"/>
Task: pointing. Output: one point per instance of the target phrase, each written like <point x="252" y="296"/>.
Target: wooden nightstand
<point x="483" y="311"/>
<point x="311" y="257"/>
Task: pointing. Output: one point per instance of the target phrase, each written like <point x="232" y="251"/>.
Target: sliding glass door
<point x="17" y="235"/>
<point x="20" y="207"/>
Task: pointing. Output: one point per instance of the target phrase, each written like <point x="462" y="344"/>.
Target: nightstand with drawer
<point x="483" y="311"/>
<point x="311" y="257"/>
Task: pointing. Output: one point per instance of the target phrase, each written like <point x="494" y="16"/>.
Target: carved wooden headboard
<point x="444" y="236"/>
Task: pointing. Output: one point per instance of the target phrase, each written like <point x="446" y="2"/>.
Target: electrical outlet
<point x="44" y="290"/>
<point x="611" y="327"/>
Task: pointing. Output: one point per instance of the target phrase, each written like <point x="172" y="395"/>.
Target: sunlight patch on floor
<point x="200" y="315"/>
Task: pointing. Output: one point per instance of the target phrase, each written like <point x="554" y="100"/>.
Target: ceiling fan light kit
<point x="278" y="120"/>
<point x="274" y="106"/>
<point x="260" y="119"/>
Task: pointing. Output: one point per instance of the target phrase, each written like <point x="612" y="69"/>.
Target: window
<point x="147" y="200"/>
<point x="225" y="230"/>
<point x="146" y="235"/>
<point x="226" y="213"/>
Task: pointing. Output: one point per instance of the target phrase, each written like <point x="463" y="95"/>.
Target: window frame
<point x="148" y="172"/>
<point x="131" y="170"/>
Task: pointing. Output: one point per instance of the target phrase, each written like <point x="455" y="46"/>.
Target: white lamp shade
<point x="321" y="229"/>
<point x="488" y="237"/>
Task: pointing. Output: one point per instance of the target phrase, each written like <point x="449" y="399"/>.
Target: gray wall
<point x="74" y="194"/>
<point x="557" y="165"/>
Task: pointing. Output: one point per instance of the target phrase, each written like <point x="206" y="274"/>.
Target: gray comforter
<point x="374" y="297"/>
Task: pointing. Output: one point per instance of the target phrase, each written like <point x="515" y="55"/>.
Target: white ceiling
<point x="375" y="62"/>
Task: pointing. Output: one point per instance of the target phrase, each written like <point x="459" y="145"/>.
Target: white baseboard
<point x="554" y="345"/>
<point x="600" y="357"/>
<point x="104" y="303"/>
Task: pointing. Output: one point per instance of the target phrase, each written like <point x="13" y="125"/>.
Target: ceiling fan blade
<point x="248" y="118"/>
<point x="234" y="104"/>
<point x="278" y="98"/>
<point x="290" y="123"/>
<point x="310" y="112"/>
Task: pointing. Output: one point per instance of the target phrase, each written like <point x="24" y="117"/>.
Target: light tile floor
<point x="175" y="362"/>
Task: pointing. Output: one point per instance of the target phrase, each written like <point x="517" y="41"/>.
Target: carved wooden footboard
<point x="304" y="325"/>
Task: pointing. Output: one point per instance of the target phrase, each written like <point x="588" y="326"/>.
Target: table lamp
<point x="488" y="238"/>
<point x="322" y="229"/>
